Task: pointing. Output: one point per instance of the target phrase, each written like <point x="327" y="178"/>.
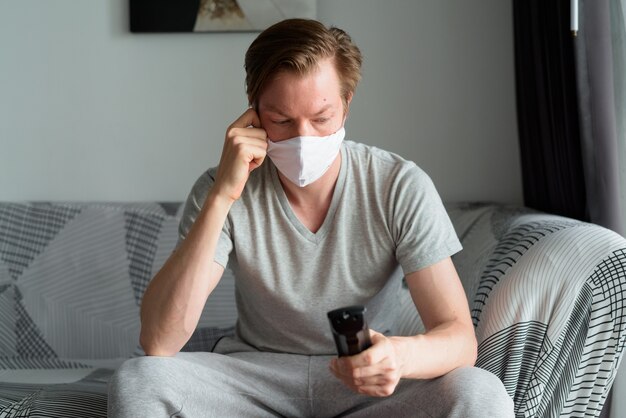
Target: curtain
<point x="567" y="109"/>
<point x="547" y="109"/>
<point x="596" y="82"/>
<point x="618" y="35"/>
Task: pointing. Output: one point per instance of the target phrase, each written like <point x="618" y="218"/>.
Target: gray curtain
<point x="618" y="32"/>
<point x="598" y="53"/>
<point x="570" y="106"/>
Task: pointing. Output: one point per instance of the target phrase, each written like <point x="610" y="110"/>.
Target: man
<point x="320" y="224"/>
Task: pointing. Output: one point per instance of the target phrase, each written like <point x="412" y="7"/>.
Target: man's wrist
<point x="406" y="349"/>
<point x="217" y="204"/>
<point x="215" y="198"/>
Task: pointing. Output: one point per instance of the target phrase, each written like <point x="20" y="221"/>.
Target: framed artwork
<point x="214" y="15"/>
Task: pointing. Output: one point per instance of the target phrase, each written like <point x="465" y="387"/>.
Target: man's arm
<point x="173" y="302"/>
<point x="448" y="343"/>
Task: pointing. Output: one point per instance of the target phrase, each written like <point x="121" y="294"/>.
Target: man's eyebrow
<point x="274" y="109"/>
<point x="271" y="108"/>
<point x="324" y="109"/>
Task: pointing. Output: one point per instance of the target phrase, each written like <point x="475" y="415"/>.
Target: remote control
<point x="350" y="330"/>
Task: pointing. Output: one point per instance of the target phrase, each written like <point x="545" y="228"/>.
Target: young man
<point x="321" y="224"/>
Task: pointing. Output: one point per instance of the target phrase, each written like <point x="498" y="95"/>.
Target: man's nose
<point x="303" y="129"/>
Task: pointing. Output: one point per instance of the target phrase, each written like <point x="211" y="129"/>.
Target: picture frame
<point x="214" y="15"/>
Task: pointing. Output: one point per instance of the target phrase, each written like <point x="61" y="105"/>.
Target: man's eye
<point x="281" y="122"/>
<point x="321" y="120"/>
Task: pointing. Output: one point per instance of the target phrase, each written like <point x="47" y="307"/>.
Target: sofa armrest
<point x="548" y="311"/>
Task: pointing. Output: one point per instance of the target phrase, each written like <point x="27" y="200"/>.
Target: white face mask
<point x="304" y="159"/>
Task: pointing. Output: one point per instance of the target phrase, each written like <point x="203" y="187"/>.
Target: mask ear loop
<point x="345" y="116"/>
<point x="343" y="123"/>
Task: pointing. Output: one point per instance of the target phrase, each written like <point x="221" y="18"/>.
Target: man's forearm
<point x="173" y="302"/>
<point x="435" y="353"/>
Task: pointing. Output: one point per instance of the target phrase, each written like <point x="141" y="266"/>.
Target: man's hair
<point x="297" y="46"/>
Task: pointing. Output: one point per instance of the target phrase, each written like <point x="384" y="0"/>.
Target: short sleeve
<point x="192" y="208"/>
<point x="421" y="227"/>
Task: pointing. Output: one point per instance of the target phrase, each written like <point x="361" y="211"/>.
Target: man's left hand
<point x="375" y="371"/>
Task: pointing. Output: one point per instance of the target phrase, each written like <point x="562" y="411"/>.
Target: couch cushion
<point x="72" y="276"/>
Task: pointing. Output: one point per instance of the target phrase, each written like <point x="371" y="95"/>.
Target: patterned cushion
<point x="72" y="276"/>
<point x="548" y="297"/>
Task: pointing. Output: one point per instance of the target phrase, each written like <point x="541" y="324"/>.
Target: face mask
<point x="304" y="159"/>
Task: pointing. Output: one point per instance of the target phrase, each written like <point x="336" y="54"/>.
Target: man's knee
<point x="142" y="369"/>
<point x="140" y="382"/>
<point x="476" y="392"/>
<point x="139" y="375"/>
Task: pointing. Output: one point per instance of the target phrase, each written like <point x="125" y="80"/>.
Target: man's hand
<point x="244" y="150"/>
<point x="374" y="372"/>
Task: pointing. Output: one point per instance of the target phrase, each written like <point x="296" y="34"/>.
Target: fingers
<point x="377" y="390"/>
<point x="365" y="374"/>
<point x="257" y="155"/>
<point x="249" y="152"/>
<point x="373" y="372"/>
<point x="247" y="139"/>
<point x="381" y="382"/>
<point x="253" y="133"/>
<point x="247" y="130"/>
<point x="375" y="354"/>
<point x="245" y="148"/>
<point x="248" y="118"/>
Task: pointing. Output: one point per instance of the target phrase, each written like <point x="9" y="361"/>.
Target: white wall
<point x="89" y="111"/>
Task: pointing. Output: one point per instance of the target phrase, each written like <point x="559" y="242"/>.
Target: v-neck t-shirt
<point x="385" y="220"/>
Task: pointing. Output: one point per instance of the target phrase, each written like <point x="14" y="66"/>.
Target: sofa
<point x="546" y="296"/>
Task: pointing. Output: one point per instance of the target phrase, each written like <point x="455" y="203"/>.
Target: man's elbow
<point x="472" y="349"/>
<point x="153" y="348"/>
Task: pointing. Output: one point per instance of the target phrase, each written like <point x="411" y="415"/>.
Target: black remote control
<point x="350" y="330"/>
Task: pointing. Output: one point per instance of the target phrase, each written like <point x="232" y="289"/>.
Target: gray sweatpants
<point x="237" y="381"/>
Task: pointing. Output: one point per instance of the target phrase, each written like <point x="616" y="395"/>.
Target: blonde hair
<point x="297" y="45"/>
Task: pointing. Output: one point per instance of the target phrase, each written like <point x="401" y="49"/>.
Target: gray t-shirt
<point x="385" y="220"/>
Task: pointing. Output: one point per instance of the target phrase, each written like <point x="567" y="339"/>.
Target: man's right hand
<point x="244" y="150"/>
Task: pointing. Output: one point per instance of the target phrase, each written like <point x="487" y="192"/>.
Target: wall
<point x="89" y="111"/>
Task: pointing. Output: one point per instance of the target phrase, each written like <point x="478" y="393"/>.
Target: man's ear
<point x="253" y="105"/>
<point x="347" y="109"/>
